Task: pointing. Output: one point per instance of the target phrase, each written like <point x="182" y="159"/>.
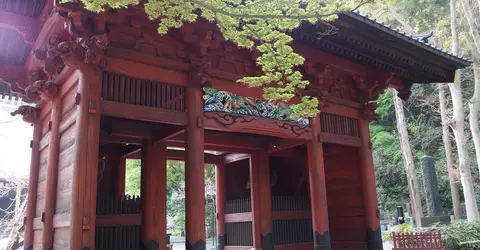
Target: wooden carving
<point x="75" y="54"/>
<point x="326" y="81"/>
<point x="199" y="74"/>
<point x="226" y="119"/>
<point x="293" y="127"/>
<point x="368" y="111"/>
<point x="373" y="85"/>
<point x="45" y="89"/>
<point x="30" y="114"/>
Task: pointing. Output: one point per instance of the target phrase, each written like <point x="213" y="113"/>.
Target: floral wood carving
<point x="29" y="113"/>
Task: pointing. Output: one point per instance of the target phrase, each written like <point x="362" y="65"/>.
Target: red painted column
<point x="194" y="169"/>
<point x="33" y="184"/>
<point x="221" y="183"/>
<point x="84" y="185"/>
<point x="52" y="173"/>
<point x="260" y="191"/>
<point x="318" y="189"/>
<point x="154" y="196"/>
<point x="122" y="174"/>
<point x="370" y="202"/>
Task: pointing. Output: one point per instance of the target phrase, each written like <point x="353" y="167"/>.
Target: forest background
<point x="422" y="119"/>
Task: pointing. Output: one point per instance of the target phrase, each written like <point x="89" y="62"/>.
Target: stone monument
<point x="432" y="196"/>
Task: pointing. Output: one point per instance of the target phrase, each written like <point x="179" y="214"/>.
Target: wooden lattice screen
<point x="125" y="89"/>
<point x="339" y="125"/>
<point x="118" y="237"/>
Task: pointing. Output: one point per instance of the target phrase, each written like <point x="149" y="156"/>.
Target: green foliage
<point x="133" y="177"/>
<point x="402" y="228"/>
<point x="452" y="235"/>
<point x="253" y="24"/>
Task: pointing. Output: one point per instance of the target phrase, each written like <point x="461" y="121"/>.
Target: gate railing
<point x="424" y="240"/>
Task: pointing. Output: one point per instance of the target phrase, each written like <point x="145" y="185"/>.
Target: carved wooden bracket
<point x="373" y="85"/>
<point x="75" y="54"/>
<point x="199" y="74"/>
<point x="368" y="111"/>
<point x="29" y="113"/>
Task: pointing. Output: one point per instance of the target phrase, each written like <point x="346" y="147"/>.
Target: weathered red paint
<point x="154" y="195"/>
<point x="52" y="173"/>
<point x="194" y="167"/>
<point x="316" y="174"/>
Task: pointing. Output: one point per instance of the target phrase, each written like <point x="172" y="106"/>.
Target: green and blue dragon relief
<point x="227" y="102"/>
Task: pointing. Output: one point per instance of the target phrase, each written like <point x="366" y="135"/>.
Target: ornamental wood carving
<point x="75" y="54"/>
<point x="368" y="111"/>
<point x="29" y="113"/>
<point x="199" y="74"/>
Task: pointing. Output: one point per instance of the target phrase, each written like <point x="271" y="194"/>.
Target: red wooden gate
<point x="425" y="241"/>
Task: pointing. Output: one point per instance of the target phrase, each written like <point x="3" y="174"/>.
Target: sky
<point x="15" y="137"/>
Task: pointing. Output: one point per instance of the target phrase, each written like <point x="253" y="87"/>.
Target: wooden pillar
<point x="154" y="196"/>
<point x="121" y="176"/>
<point x="260" y="191"/>
<point x="221" y="182"/>
<point x="52" y="173"/>
<point x="33" y="184"/>
<point x="318" y="189"/>
<point x="370" y="202"/>
<point x="84" y="186"/>
<point x="194" y="169"/>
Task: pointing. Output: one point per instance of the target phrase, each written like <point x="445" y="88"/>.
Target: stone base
<point x="429" y="221"/>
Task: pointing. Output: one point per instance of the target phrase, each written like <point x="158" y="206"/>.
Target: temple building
<point x="103" y="88"/>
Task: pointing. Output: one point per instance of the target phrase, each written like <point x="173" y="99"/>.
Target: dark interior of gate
<point x="289" y="181"/>
<point x="291" y="210"/>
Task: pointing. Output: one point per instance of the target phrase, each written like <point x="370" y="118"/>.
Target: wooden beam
<point x="130" y="129"/>
<point x="256" y="125"/>
<point x="167" y="133"/>
<point x="239" y="217"/>
<point x="283" y="144"/>
<point x="142" y="113"/>
<point x="238" y="248"/>
<point x="179" y="155"/>
<point x="300" y="246"/>
<point x="105" y="137"/>
<point x="129" y="150"/>
<point x="119" y="220"/>
<point x="339" y="139"/>
<point x="241" y="142"/>
<point x="234" y="157"/>
<point x="28" y="27"/>
<point x="291" y="215"/>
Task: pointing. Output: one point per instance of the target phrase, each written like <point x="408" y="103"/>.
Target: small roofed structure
<point x="106" y="87"/>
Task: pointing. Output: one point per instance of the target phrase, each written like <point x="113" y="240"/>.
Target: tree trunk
<point x="412" y="181"/>
<point x="471" y="8"/>
<point x="458" y="127"/>
<point x="457" y="212"/>
<point x="474" y="104"/>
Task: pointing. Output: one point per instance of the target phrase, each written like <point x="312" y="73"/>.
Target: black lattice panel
<point x="292" y="231"/>
<point x="239" y="234"/>
<point x="339" y="125"/>
<point x="124" y="89"/>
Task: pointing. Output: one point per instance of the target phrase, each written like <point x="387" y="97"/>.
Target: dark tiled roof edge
<point x="408" y="38"/>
